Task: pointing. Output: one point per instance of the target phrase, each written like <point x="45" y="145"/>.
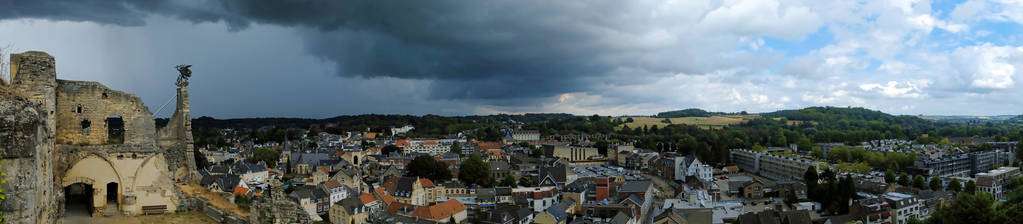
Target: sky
<point x="318" y="59"/>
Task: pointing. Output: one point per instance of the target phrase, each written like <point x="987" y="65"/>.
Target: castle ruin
<point x="78" y="143"/>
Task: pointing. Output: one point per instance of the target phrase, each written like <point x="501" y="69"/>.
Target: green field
<point x="704" y="122"/>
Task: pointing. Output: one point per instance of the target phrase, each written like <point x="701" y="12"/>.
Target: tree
<point x="935" y="184"/>
<point x="367" y="144"/>
<point x="984" y="147"/>
<point x="267" y="155"/>
<point x="918" y="182"/>
<point x="475" y="171"/>
<point x="527" y="181"/>
<point x="629" y="120"/>
<point x="954" y="185"/>
<point x="427" y="167"/>
<point x="779" y="139"/>
<point x="602" y="146"/>
<point x="390" y="148"/>
<point x="456" y="147"/>
<point x="804" y="144"/>
<point x="535" y="153"/>
<point x="903" y="179"/>
<point x="914" y="220"/>
<point x="889" y="177"/>
<point x="811" y="178"/>
<point x="971" y="187"/>
<point x="200" y="160"/>
<point x="968" y="208"/>
<point x="314" y="130"/>
<point x="509" y="181"/>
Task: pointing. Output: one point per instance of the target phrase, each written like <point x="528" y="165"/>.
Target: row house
<point x="996" y="182"/>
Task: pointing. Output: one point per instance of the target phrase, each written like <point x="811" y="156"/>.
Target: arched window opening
<point x="86" y="124"/>
<point x="115" y="130"/>
<point x="111" y="194"/>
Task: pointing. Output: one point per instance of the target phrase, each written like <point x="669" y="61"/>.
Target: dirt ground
<point x="177" y="218"/>
<point x="193" y="190"/>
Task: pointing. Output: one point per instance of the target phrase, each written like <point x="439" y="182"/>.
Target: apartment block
<point x="774" y="167"/>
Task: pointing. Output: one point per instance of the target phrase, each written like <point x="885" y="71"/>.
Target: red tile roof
<point x="731" y="169"/>
<point x="439" y="211"/>
<point x="393" y="208"/>
<point x="331" y="184"/>
<point x="367" y="198"/>
<point x="384" y="196"/>
<point x="427" y="183"/>
<point x="239" y="190"/>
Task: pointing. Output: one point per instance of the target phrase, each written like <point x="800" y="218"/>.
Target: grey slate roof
<point x="558" y="212"/>
<point x="242" y="167"/>
<point x="219" y="169"/>
<point x="404" y="187"/>
<point x="621" y="218"/>
<point x="226" y="182"/>
<point x="350" y="204"/>
<point x="639" y="186"/>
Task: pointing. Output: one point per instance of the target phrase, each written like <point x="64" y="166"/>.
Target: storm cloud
<point x="476" y="49"/>
<point x="620" y="57"/>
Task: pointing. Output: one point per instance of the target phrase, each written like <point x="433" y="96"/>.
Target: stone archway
<point x="100" y="173"/>
<point x="78" y="198"/>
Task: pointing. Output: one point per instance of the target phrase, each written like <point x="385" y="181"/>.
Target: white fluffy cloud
<point x="989" y="66"/>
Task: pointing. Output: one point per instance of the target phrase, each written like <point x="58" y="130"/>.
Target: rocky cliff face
<point x="26" y="145"/>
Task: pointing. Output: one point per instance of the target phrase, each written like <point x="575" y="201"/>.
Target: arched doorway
<point x="356" y="160"/>
<point x="111" y="194"/>
<point x="78" y="200"/>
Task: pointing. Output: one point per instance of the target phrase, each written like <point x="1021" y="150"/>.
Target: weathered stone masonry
<point x="54" y="134"/>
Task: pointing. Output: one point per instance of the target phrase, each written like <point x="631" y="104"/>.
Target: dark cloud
<point x="474" y="49"/>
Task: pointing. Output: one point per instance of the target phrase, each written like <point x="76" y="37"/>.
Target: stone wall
<point x="203" y="206"/>
<point x="176" y="138"/>
<point x="276" y="208"/>
<point x="81" y="104"/>
<point x="25" y="144"/>
<point x="46" y="147"/>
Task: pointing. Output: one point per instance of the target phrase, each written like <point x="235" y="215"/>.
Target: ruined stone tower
<point x="78" y="144"/>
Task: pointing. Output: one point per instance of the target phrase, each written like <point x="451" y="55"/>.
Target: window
<point x="115" y="129"/>
<point x="78" y="109"/>
<point x="86" y="124"/>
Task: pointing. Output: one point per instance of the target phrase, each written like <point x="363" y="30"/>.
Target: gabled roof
<point x="557" y="212"/>
<point x="242" y="167"/>
<point x="331" y="184"/>
<point x="622" y="218"/>
<point x="219" y="169"/>
<point x="226" y="182"/>
<point x="557" y="173"/>
<point x="367" y="198"/>
<point x="427" y="183"/>
<point x="382" y="193"/>
<point x="439" y="211"/>
<point x="633" y="199"/>
<point x="393" y="208"/>
<point x="350" y="204"/>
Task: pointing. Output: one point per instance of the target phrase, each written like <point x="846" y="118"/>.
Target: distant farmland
<point x="703" y="122"/>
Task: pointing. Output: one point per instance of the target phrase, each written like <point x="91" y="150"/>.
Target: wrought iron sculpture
<point x="185" y="74"/>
